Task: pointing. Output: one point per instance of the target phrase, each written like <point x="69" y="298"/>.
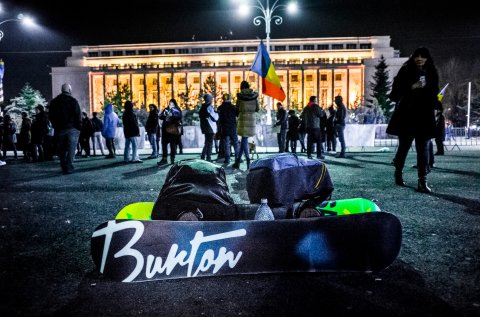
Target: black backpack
<point x="191" y="186"/>
<point x="285" y="179"/>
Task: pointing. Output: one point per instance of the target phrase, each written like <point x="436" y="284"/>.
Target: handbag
<point x="172" y="128"/>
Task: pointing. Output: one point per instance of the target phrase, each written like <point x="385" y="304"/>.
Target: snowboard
<point x="146" y="250"/>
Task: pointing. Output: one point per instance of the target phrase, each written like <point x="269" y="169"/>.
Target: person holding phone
<point x="414" y="90"/>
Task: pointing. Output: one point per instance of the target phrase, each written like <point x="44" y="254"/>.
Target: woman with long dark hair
<point x="414" y="90"/>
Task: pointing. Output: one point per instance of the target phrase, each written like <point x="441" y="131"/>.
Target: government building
<point x="157" y="72"/>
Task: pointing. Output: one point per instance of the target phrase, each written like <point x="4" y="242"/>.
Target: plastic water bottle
<point x="264" y="212"/>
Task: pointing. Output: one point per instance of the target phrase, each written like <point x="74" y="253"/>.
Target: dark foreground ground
<point x="46" y="220"/>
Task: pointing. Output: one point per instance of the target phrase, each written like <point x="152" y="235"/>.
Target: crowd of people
<point x="61" y="128"/>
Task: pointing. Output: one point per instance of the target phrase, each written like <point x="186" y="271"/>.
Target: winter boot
<point x="399" y="179"/>
<point x="236" y="164"/>
<point x="423" y="186"/>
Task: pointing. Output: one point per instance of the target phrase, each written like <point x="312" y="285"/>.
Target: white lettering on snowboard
<point x="156" y="264"/>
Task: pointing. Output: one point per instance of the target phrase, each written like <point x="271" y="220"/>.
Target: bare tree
<point x="457" y="73"/>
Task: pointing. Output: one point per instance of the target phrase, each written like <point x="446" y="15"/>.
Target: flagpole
<point x="268" y="15"/>
<point x="468" y="108"/>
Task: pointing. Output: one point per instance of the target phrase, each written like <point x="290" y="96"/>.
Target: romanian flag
<point x="441" y="93"/>
<point x="262" y="65"/>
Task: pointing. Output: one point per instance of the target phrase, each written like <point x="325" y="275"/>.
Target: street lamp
<point x="20" y="18"/>
<point x="268" y="14"/>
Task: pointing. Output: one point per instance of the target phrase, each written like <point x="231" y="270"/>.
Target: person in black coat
<point x="292" y="133"/>
<point x="151" y="127"/>
<point x="131" y="132"/>
<point x="227" y="122"/>
<point x="440" y="130"/>
<point x="40" y="129"/>
<point x="414" y="90"/>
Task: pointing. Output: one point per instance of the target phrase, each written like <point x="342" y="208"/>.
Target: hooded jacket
<point x="247" y="104"/>
<point x="110" y="122"/>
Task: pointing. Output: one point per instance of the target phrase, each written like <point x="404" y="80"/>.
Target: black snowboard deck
<point x="142" y="250"/>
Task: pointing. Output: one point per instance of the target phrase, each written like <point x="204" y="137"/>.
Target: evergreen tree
<point x="118" y="98"/>
<point x="27" y="101"/>
<point x="210" y="87"/>
<point x="381" y="86"/>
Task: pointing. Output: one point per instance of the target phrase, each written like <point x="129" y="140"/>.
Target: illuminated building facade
<point x="155" y="73"/>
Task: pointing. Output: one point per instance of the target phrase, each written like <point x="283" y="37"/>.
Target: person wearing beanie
<point x="66" y="118"/>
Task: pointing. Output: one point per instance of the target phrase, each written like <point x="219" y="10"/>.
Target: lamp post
<point x="19" y="18"/>
<point x="268" y="14"/>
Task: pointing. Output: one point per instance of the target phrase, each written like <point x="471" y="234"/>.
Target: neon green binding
<point x="349" y="206"/>
<point x="340" y="207"/>
<point x="137" y="211"/>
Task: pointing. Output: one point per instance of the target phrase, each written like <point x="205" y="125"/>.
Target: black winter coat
<point x="414" y="113"/>
<point x="130" y="124"/>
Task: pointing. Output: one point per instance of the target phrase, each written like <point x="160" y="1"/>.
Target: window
<point x="143" y="52"/>
<point x="197" y="50"/>
<point x="365" y="46"/>
<point x="323" y="77"/>
<point x="210" y="49"/>
<point x="154" y="81"/>
<point x="323" y="47"/>
<point x="238" y="49"/>
<point x="280" y="48"/>
<point x="196" y="63"/>
<point x="294" y="47"/>
<point x="309" y="61"/>
<point x="183" y="51"/>
<point x="142" y="81"/>
<point x="308" y="47"/>
<point x="117" y="53"/>
<point x="170" y="51"/>
<point x="280" y="61"/>
<point x="295" y="78"/>
<point x="181" y="81"/>
<point x="105" y="53"/>
<point x="251" y="48"/>
<point x="224" y="49"/>
<point x="130" y="53"/>
<point x="237" y="79"/>
<point x="309" y="78"/>
<point x="251" y="78"/>
<point x="196" y="80"/>
<point x="337" y="46"/>
<point x="351" y="46"/>
<point x="156" y="52"/>
<point x="338" y="77"/>
<point x="280" y="77"/>
<point x="168" y="64"/>
<point x="92" y="54"/>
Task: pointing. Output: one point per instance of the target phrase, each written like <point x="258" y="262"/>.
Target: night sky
<point x="448" y="29"/>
